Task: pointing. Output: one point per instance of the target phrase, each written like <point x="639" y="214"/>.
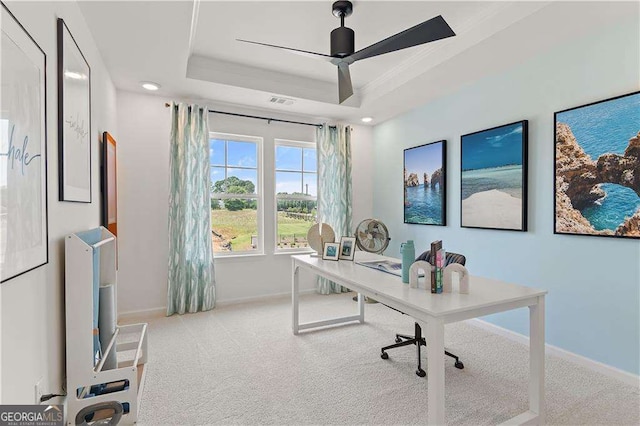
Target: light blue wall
<point x="593" y="306"/>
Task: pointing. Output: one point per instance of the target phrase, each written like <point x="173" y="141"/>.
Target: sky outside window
<point x="310" y="160"/>
<point x="288" y="182"/>
<point x="288" y="158"/>
<point x="242" y="154"/>
<point x="216" y="152"/>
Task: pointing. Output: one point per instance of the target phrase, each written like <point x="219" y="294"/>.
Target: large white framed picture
<point x="74" y="119"/>
<point x="23" y="156"/>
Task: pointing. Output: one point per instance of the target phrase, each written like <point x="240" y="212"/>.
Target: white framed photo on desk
<point x="331" y="251"/>
<point x="347" y="248"/>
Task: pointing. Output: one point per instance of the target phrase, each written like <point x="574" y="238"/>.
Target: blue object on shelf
<point x="92" y="237"/>
<point x="408" y="252"/>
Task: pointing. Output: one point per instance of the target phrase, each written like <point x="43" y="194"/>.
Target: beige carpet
<point x="241" y="364"/>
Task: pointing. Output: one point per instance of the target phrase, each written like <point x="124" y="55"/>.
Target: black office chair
<point x="417" y="339"/>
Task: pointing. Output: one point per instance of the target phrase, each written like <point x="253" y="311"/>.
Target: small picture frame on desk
<point x="331" y="251"/>
<point x="347" y="248"/>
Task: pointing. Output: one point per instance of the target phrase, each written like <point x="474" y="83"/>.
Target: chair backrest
<point x="449" y="259"/>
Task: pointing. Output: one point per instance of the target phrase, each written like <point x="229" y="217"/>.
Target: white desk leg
<point x="435" y="371"/>
<point x="536" y="359"/>
<point x="361" y="307"/>
<point x="294" y="297"/>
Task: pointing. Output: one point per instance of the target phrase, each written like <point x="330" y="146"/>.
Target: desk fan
<point x="372" y="236"/>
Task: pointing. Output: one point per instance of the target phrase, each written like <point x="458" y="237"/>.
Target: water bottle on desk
<point x="408" y="252"/>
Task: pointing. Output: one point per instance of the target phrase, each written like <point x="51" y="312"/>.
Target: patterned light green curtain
<point x="191" y="271"/>
<point x="334" y="187"/>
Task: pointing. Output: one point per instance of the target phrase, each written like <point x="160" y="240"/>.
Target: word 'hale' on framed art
<point x="597" y="168"/>
<point x="109" y="184"/>
<point x="74" y="119"/>
<point x="23" y="154"/>
<point x="493" y="182"/>
<point x="424" y="181"/>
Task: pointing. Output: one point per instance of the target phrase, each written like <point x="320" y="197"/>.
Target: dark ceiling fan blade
<point x="296" y="51"/>
<point x="345" y="89"/>
<point x="431" y="30"/>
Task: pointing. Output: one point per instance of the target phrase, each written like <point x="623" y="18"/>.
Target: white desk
<point x="432" y="312"/>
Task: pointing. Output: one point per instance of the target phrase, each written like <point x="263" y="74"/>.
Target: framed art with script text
<point x="23" y="153"/>
<point x="74" y="119"/>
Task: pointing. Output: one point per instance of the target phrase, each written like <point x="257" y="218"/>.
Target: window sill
<point x="293" y="252"/>
<point x="247" y="256"/>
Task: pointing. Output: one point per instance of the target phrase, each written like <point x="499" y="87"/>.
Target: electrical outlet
<point x="39" y="390"/>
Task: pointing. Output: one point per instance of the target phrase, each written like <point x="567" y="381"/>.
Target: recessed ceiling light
<point x="367" y="119"/>
<point x="74" y="75"/>
<point x="149" y="85"/>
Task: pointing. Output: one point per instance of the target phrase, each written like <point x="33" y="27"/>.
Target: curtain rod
<point x="167" y="105"/>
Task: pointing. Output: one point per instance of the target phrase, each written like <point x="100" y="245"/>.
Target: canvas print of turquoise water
<point x="494" y="178"/>
<point x="425" y="184"/>
<point x="597" y="168"/>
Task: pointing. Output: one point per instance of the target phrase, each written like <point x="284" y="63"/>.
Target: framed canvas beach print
<point x="424" y="184"/>
<point x="597" y="168"/>
<point x="74" y="119"/>
<point x="23" y="153"/>
<point x="493" y="183"/>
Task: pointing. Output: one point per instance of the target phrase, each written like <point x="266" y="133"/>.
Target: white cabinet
<point x="90" y="262"/>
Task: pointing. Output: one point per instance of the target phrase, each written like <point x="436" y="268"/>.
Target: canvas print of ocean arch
<point x="493" y="188"/>
<point x="597" y="168"/>
<point x="425" y="184"/>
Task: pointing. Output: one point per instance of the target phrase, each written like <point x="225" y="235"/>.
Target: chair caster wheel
<point x="421" y="373"/>
<point x="459" y="365"/>
<point x="398" y="340"/>
<point x="384" y="355"/>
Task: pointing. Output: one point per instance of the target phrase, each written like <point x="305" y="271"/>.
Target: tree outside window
<point x="236" y="198"/>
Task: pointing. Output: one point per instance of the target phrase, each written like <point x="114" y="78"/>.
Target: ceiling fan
<point x="343" y="46"/>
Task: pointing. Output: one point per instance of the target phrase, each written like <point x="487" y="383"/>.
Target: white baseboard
<point x="266" y="297"/>
<point x="132" y="316"/>
<point x="144" y="314"/>
<point x="599" y="367"/>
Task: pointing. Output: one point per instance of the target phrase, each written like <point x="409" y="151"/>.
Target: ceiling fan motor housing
<point x="342" y="42"/>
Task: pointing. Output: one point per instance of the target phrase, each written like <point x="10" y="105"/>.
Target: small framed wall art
<point x="74" y="119"/>
<point x="109" y="184"/>
<point x="23" y="151"/>
<point x="424" y="181"/>
<point x="347" y="248"/>
<point x="493" y="183"/>
<point x="597" y="168"/>
<point x="331" y="251"/>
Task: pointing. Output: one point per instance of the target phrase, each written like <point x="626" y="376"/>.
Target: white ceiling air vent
<point x="280" y="100"/>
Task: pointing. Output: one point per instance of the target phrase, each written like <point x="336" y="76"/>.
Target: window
<point x="296" y="180"/>
<point x="236" y="193"/>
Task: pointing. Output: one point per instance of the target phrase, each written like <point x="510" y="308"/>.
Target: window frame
<point x="277" y="142"/>
<point x="259" y="188"/>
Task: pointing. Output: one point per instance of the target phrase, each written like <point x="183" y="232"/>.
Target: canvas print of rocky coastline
<point x="494" y="178"/>
<point x="597" y="168"/>
<point x="424" y="184"/>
